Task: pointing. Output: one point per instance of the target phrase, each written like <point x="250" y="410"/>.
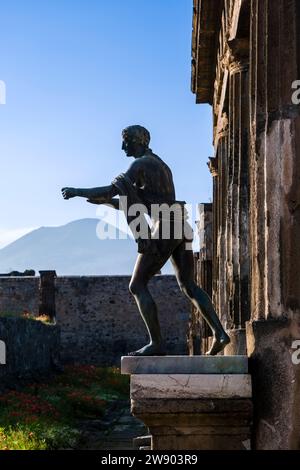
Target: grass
<point x="44" y="416"/>
<point x="27" y="316"/>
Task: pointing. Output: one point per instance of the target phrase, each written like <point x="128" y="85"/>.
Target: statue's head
<point x="136" y="140"/>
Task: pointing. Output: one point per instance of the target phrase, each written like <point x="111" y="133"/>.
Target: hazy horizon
<point x="73" y="249"/>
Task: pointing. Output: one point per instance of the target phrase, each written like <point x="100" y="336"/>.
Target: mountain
<point x="71" y="249"/>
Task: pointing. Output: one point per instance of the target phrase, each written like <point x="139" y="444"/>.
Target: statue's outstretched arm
<point x="103" y="194"/>
<point x="114" y="202"/>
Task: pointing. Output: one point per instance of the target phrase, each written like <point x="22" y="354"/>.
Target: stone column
<point x="221" y="179"/>
<point x="47" y="293"/>
<point x="213" y="165"/>
<point x="205" y="254"/>
<point x="275" y="159"/>
<point x="192" y="402"/>
<point x="275" y="223"/>
<point x="194" y="336"/>
<point x="205" y="227"/>
<point x="238" y="206"/>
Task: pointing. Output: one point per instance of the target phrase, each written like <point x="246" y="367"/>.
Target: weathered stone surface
<point x="95" y="314"/>
<point x="254" y="49"/>
<point x="237" y="343"/>
<point x="201" y="442"/>
<point x="32" y="350"/>
<point x="276" y="384"/>
<point x="184" y="386"/>
<point x="19" y="295"/>
<point x="209" y="421"/>
<point x="100" y="321"/>
<point x="204" y="48"/>
<point x="188" y="412"/>
<point x="192" y="406"/>
<point x="47" y="293"/>
<point x="184" y="365"/>
<point x="142" y="442"/>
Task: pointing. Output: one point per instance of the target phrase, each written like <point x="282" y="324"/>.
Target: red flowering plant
<point x="84" y="404"/>
<point x="24" y="407"/>
<point x="43" y="415"/>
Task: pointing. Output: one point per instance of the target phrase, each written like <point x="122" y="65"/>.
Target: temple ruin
<point x="245" y="63"/>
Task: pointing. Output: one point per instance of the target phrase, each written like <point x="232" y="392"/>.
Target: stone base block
<point x="184" y="386"/>
<point x="274" y="362"/>
<point x="201" y="442"/>
<point x="142" y="442"/>
<point x="231" y="364"/>
<point x="196" y="424"/>
<point x="188" y="411"/>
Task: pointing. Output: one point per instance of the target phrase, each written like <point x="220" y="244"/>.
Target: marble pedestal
<point x="192" y="402"/>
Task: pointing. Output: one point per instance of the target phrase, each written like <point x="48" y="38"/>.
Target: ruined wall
<point x="19" y="295"/>
<point x="31" y="349"/>
<point x="100" y="321"/>
<point x="98" y="317"/>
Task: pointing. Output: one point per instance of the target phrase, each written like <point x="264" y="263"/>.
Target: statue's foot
<point x="218" y="345"/>
<point x="149" y="350"/>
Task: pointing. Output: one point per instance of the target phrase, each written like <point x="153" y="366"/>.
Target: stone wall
<point x="98" y="317"/>
<point x="276" y="383"/>
<point x="100" y="321"/>
<point x="19" y="295"/>
<point x="29" y="349"/>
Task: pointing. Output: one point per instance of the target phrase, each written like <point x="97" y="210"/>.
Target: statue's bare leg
<point x="146" y="267"/>
<point x="183" y="263"/>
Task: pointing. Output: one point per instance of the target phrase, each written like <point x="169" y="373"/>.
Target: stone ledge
<point x="200" y="430"/>
<point x="205" y="406"/>
<point x="201" y="421"/>
<point x="184" y="386"/>
<point x="201" y="442"/>
<point x="184" y="365"/>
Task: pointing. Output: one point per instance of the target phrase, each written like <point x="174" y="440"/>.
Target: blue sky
<point x="77" y="72"/>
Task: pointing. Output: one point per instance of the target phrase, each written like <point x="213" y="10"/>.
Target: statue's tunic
<point x="149" y="183"/>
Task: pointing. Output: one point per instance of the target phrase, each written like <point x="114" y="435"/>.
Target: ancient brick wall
<point x="19" y="295"/>
<point x="29" y="350"/>
<point x="97" y="315"/>
<point x="100" y="321"/>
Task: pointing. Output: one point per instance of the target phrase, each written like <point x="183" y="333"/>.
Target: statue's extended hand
<point x="68" y="193"/>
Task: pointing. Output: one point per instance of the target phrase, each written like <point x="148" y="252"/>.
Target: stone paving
<point x="114" y="431"/>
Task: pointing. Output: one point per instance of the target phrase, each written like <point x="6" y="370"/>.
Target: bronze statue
<point x="149" y="181"/>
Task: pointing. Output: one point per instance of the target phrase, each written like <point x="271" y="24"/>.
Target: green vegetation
<point x="44" y="416"/>
<point x="27" y="316"/>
